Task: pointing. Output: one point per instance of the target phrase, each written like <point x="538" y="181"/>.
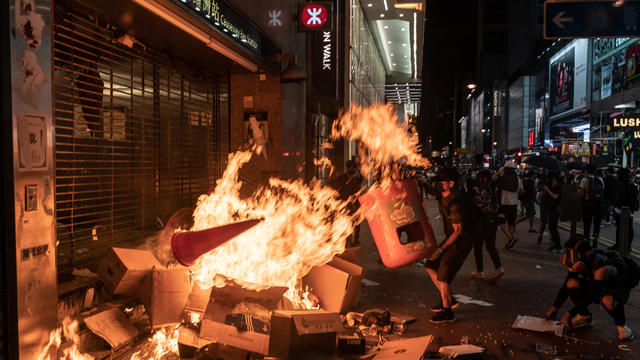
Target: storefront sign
<point x="626" y="121"/>
<point x="229" y="22"/>
<point x="633" y="62"/>
<point x="315" y="16"/>
<point x="578" y="148"/>
<point x="324" y="69"/>
<point x="531" y="141"/>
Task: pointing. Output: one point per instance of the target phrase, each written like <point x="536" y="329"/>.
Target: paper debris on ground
<point x="456" y="351"/>
<point x="467" y="300"/>
<point x="367" y="282"/>
<point x="538" y="324"/>
<point x="406" y="349"/>
<point x="112" y="326"/>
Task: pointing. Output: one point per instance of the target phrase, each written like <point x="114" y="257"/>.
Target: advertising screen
<point x="568" y="79"/>
<point x="633" y="62"/>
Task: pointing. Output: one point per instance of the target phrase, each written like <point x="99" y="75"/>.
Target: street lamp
<point x="471" y="86"/>
<point x="483" y="131"/>
<point x="495" y="143"/>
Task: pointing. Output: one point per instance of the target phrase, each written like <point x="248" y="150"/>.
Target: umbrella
<point x="574" y="165"/>
<point x="548" y="162"/>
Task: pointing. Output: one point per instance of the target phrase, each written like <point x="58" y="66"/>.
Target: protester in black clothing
<point x="627" y="196"/>
<point x="611" y="186"/>
<point x="594" y="277"/>
<point x="460" y="225"/>
<point x="486" y="199"/>
<point x="591" y="190"/>
<point x="528" y="200"/>
<point x="551" y="190"/>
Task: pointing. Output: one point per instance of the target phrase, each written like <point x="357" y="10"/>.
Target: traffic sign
<point x="590" y="19"/>
<point x="314" y="16"/>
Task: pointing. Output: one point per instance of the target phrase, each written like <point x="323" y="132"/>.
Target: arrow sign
<point x="558" y="20"/>
<point x="591" y="19"/>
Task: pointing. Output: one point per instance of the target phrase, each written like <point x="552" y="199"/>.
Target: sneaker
<point x="496" y="275"/>
<point x="478" y="274"/>
<point x="555" y="250"/>
<point x="579" y="321"/>
<point x="438" y="307"/>
<point x="624" y="333"/>
<point x="445" y="316"/>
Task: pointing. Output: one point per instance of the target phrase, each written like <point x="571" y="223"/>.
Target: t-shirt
<point x="510" y="197"/>
<point x="549" y="202"/>
<point x="456" y="210"/>
<point x="584" y="185"/>
<point x="529" y="187"/>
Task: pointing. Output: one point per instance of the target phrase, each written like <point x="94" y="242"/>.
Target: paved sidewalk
<point x="529" y="286"/>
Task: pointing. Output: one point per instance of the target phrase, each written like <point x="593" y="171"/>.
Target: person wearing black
<point x="460" y="224"/>
<point x="550" y="206"/>
<point x="528" y="200"/>
<point x="594" y="277"/>
<point x="627" y="196"/>
<point x="486" y="200"/>
<point x="611" y="186"/>
<point x="591" y="190"/>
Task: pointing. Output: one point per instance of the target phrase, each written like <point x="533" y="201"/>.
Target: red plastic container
<point x="399" y="223"/>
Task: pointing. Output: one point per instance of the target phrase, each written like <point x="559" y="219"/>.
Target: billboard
<point x="633" y="62"/>
<point x="568" y="79"/>
<point x="474" y="129"/>
<point x="606" y="80"/>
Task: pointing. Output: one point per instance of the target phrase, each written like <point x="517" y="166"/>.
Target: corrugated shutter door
<point x="136" y="139"/>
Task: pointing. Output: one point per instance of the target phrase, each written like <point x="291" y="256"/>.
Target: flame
<point x="305" y="226"/>
<point x="163" y="342"/>
<point x="68" y="331"/>
<point x="383" y="144"/>
<point x="324" y="163"/>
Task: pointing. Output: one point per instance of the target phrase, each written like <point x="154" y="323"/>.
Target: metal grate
<point x="136" y="138"/>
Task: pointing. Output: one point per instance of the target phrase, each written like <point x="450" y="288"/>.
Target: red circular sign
<point x="314" y="16"/>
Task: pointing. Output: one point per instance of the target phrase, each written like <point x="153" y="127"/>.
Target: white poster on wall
<point x="606" y="80"/>
<point x="568" y="79"/>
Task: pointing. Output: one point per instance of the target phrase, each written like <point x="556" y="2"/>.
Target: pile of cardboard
<point x="257" y="321"/>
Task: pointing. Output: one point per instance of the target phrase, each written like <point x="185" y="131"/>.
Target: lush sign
<point x="626" y="121"/>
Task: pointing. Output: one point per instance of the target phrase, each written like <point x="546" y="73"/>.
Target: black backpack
<point x="634" y="201"/>
<point x="628" y="269"/>
<point x="595" y="189"/>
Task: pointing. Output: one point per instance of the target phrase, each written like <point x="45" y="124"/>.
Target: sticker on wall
<point x="29" y="23"/>
<point x="256" y="132"/>
<point x="32" y="140"/>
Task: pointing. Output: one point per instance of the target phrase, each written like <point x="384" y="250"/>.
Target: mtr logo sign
<point x="315" y="16"/>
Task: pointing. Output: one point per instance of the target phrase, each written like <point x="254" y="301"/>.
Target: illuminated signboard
<point x="230" y="22"/>
<point x="315" y="16"/>
<point x="626" y="121"/>
<point x="568" y="79"/>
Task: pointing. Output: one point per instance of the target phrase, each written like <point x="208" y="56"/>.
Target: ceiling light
<point x="381" y="15"/>
<point x="401" y="15"/>
<point x="405" y="56"/>
<point x="404" y="44"/>
<point x="394" y="64"/>
<point x="389" y="42"/>
<point x="392" y="54"/>
<point x="370" y="5"/>
<point x="409" y="6"/>
<point x="401" y="29"/>
<point x="386" y="26"/>
<point x="386" y="7"/>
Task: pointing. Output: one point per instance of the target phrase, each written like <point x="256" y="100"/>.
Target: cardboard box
<point x="164" y="294"/>
<point x="189" y="342"/>
<point x="406" y="349"/>
<point x="300" y="333"/>
<point x="223" y="300"/>
<point x="352" y="343"/>
<point x="112" y="326"/>
<point x="196" y="304"/>
<point x="336" y="284"/>
<point x="122" y="270"/>
<point x="352" y="254"/>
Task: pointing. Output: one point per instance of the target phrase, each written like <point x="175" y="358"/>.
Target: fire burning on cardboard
<point x="69" y="351"/>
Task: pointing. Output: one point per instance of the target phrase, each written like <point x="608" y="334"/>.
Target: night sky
<point x="449" y="54"/>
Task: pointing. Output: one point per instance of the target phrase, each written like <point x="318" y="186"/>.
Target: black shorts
<point x="510" y="213"/>
<point x="529" y="208"/>
<point x="448" y="265"/>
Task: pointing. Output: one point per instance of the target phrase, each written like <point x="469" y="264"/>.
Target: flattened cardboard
<point x="112" y="326"/>
<point x="352" y="255"/>
<point x="538" y="324"/>
<point x="189" y="342"/>
<point x="164" y="294"/>
<point x="198" y="299"/>
<point x="336" y="284"/>
<point x="122" y="270"/>
<point x="303" y="332"/>
<point x="406" y="349"/>
<point x="461" y="351"/>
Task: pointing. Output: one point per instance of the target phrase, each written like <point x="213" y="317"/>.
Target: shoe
<point x="579" y="321"/>
<point x="478" y="274"/>
<point x="438" y="307"/>
<point x="445" y="316"/>
<point x="496" y="275"/>
<point x="624" y="333"/>
<point x="555" y="250"/>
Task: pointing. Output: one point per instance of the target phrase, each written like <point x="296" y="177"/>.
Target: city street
<point x="532" y="278"/>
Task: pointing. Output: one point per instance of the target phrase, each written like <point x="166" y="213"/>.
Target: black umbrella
<point x="574" y="165"/>
<point x="547" y="162"/>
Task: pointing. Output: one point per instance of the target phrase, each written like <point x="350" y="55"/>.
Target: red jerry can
<point x="399" y="223"/>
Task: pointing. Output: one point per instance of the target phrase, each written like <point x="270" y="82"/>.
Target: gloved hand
<point x="566" y="320"/>
<point x="552" y="314"/>
<point x="436" y="254"/>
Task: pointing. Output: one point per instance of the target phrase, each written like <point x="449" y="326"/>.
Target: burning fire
<point x="162" y="343"/>
<point x="305" y="226"/>
<point x="383" y="143"/>
<point x="70" y="351"/>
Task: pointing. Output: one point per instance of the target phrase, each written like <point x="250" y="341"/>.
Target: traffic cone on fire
<point x="188" y="246"/>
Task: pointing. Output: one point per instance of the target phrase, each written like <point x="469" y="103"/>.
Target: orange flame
<point x="385" y="143"/>
<point x="70" y="351"/>
<point x="162" y="343"/>
<point x="305" y="226"/>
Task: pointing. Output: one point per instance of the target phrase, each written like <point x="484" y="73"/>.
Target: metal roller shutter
<point x="136" y="138"/>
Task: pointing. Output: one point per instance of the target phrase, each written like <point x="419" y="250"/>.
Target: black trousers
<point x="592" y="214"/>
<point x="618" y="230"/>
<point x="552" y="214"/>
<point x="488" y="238"/>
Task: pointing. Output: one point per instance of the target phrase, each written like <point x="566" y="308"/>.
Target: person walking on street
<point x="528" y="200"/>
<point x="550" y="209"/>
<point x="460" y="226"/>
<point x="611" y="186"/>
<point x="509" y="184"/>
<point x="627" y="196"/>
<point x="486" y="200"/>
<point x="592" y="190"/>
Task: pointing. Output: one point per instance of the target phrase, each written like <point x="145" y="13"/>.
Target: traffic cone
<point x="188" y="246"/>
